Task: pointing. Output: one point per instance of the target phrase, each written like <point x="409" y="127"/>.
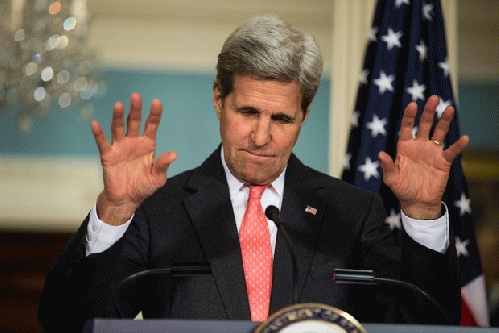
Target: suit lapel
<point x="212" y="216"/>
<point x="302" y="214"/>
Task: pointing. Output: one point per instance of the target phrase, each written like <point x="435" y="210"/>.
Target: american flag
<point x="406" y="60"/>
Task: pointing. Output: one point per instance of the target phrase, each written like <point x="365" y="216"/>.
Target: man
<point x="267" y="76"/>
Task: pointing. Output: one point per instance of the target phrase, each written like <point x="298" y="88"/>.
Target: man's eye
<point x="283" y="120"/>
<point x="248" y="112"/>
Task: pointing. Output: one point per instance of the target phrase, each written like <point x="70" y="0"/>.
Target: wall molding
<point x="39" y="193"/>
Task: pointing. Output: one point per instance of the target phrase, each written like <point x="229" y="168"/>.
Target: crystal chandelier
<point x="44" y="61"/>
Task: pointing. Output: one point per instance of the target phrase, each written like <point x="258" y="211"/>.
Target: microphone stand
<point x="272" y="213"/>
<point x="179" y="269"/>
<point x="366" y="277"/>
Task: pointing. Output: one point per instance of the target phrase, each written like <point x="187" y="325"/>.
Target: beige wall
<point x="188" y="34"/>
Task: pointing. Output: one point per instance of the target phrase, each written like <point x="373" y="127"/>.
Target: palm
<point x="127" y="169"/>
<point x="131" y="171"/>
<point x="423" y="172"/>
<point x="419" y="175"/>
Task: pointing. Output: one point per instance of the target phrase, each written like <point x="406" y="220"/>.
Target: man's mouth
<point x="258" y="155"/>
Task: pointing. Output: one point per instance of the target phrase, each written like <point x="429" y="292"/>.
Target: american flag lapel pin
<point x="311" y="210"/>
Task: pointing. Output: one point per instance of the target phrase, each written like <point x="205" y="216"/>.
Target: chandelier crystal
<point x="44" y="60"/>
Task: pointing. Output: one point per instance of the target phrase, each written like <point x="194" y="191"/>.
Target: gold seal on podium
<point x="310" y="318"/>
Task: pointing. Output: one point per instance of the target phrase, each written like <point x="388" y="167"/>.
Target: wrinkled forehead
<point x="240" y="82"/>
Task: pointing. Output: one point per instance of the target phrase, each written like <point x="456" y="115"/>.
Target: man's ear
<point x="217" y="100"/>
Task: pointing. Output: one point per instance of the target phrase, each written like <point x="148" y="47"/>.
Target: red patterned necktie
<point x="257" y="254"/>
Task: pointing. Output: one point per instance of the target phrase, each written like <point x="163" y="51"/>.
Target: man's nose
<point x="261" y="134"/>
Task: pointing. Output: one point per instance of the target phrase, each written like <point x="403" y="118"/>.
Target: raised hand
<point x="130" y="168"/>
<point x="419" y="175"/>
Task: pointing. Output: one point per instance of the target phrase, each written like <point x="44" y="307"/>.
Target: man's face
<point x="260" y="121"/>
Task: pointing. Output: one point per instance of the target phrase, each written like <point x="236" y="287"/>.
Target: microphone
<point x="272" y="213"/>
<point x="356" y="276"/>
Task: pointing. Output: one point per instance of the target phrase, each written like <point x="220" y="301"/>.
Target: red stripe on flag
<point x="467" y="318"/>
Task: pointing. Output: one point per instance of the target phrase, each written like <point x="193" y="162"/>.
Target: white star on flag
<point x="463" y="204"/>
<point x="384" y="82"/>
<point x="416" y="91"/>
<point x="427" y="8"/>
<point x="393" y="220"/>
<point x="370" y="169"/>
<point x="461" y="247"/>
<point x="363" y="76"/>
<point x="401" y="2"/>
<point x="415" y="131"/>
<point x="422" y="50"/>
<point x="346" y="161"/>
<point x="371" y="36"/>
<point x="377" y="126"/>
<point x="392" y="39"/>
<point x="354" y="121"/>
<point x="442" y="105"/>
<point x="445" y="66"/>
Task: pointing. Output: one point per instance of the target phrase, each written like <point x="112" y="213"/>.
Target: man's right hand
<point x="131" y="171"/>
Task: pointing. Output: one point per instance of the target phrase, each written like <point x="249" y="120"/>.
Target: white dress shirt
<point x="434" y="234"/>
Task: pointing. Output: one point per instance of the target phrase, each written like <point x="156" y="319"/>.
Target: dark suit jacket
<point x="191" y="219"/>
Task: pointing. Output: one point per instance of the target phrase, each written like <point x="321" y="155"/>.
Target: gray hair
<point x="268" y="48"/>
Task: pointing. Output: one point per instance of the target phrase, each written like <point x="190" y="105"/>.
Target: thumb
<point x="387" y="165"/>
<point x="163" y="162"/>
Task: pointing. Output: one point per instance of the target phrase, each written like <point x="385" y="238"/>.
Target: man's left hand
<point x="419" y="175"/>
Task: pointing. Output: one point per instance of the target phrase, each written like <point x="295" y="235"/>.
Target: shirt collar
<point x="235" y="185"/>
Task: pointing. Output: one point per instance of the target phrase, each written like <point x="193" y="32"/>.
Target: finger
<point x="153" y="119"/>
<point x="388" y="167"/>
<point x="100" y="138"/>
<point x="407" y="123"/>
<point x="457" y="148"/>
<point x="443" y="125"/>
<point x="117" y="125"/>
<point x="133" y="120"/>
<point x="426" y="119"/>
<point x="163" y="162"/>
